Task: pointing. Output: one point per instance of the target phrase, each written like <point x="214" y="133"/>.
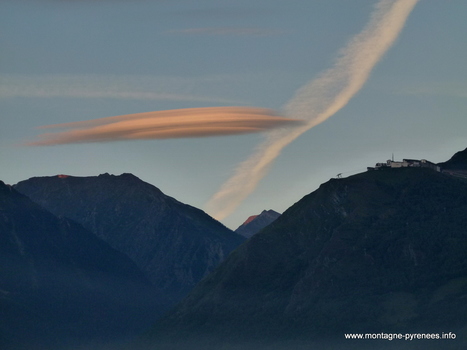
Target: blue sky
<point x="66" y="61"/>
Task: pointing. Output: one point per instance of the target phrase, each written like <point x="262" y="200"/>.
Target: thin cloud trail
<point x="318" y="100"/>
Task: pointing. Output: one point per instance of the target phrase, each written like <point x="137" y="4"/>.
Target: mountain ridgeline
<point x="174" y="244"/>
<point x="381" y="251"/>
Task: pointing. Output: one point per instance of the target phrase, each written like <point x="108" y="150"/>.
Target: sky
<point x="71" y="70"/>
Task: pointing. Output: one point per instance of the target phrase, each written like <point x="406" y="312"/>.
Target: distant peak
<point x="264" y="213"/>
<point x="270" y="212"/>
<point x="250" y="219"/>
<point x="255" y="223"/>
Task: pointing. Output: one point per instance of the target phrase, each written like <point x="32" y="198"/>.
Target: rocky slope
<point x="61" y="286"/>
<point x="174" y="244"/>
<point x="382" y="251"/>
<point x="256" y="223"/>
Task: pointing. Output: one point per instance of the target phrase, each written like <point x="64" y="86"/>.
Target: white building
<point x="407" y="163"/>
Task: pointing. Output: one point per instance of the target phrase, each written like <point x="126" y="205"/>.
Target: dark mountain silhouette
<point x="381" y="251"/>
<point x="173" y="243"/>
<point x="457" y="165"/>
<point x="256" y="223"/>
<point x="60" y="285"/>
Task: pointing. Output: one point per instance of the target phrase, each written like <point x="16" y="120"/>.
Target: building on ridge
<point x="406" y="163"/>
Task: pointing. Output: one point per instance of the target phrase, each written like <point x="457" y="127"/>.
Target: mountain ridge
<point x="173" y="243"/>
<point x="373" y="252"/>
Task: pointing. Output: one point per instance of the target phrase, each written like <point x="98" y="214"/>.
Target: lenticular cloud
<point x="193" y="122"/>
<point x="318" y="100"/>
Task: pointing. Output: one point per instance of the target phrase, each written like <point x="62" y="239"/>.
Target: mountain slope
<point x="457" y="165"/>
<point x="256" y="223"/>
<point x="173" y="243"/>
<point x="61" y="286"/>
<point x="381" y="251"/>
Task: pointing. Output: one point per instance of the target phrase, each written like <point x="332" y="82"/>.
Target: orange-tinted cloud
<point x="193" y="122"/>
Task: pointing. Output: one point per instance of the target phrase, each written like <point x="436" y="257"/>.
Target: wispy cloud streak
<point x="107" y="87"/>
<point x="223" y="31"/>
<point x="192" y="122"/>
<point x="318" y="100"/>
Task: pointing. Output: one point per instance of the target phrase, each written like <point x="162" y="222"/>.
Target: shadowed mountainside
<point x="381" y="251"/>
<point x="173" y="243"/>
<point x="60" y="285"/>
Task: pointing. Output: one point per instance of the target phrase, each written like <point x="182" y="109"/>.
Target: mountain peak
<point x="250" y="219"/>
<point x="256" y="223"/>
